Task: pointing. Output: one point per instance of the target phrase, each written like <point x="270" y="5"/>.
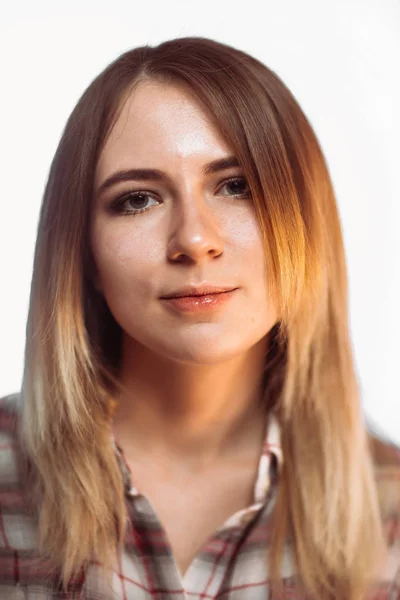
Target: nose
<point x="196" y="234"/>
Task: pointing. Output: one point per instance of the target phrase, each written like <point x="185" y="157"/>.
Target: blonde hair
<point x="327" y="502"/>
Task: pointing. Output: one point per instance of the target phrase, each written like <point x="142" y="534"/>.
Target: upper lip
<point x="199" y="290"/>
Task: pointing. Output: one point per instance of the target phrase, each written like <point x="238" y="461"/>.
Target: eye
<point x="238" y="185"/>
<point x="138" y="201"/>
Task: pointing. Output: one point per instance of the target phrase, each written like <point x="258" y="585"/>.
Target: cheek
<point x="251" y="261"/>
<point x="248" y="246"/>
<point x="124" y="258"/>
<point x="241" y="225"/>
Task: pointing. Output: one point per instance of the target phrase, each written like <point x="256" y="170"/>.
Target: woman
<point x="189" y="423"/>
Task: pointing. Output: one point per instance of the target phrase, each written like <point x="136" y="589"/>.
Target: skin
<point x="192" y="382"/>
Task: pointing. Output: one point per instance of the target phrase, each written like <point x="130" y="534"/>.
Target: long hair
<point x="327" y="503"/>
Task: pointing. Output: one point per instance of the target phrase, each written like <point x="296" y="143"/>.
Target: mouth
<point x="196" y="293"/>
<point x="194" y="303"/>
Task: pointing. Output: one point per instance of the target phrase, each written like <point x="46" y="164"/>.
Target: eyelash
<point x="120" y="200"/>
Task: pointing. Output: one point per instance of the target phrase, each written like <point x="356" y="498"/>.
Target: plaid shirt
<point x="231" y="565"/>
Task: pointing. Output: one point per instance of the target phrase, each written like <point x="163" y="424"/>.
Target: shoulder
<point x="386" y="461"/>
<point x="10" y="455"/>
<point x="21" y="565"/>
<point x="385" y="456"/>
<point x="17" y="522"/>
<point x="9" y="419"/>
<point x="11" y="462"/>
<point x="10" y="407"/>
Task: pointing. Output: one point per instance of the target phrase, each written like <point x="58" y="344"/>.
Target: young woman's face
<point x="177" y="228"/>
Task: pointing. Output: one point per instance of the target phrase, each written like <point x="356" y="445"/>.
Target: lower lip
<point x="199" y="303"/>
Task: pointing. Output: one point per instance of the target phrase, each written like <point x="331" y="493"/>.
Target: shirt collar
<point x="271" y="459"/>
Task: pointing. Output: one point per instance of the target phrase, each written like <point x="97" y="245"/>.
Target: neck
<point x="189" y="413"/>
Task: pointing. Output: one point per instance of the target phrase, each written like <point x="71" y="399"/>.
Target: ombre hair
<point x="327" y="502"/>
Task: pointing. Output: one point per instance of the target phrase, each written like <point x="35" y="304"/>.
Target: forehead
<point x="160" y="121"/>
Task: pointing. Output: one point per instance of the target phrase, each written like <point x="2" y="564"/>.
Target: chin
<point x="202" y="353"/>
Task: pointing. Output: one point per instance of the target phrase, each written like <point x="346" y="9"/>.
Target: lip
<point x="199" y="303"/>
<point x="200" y="290"/>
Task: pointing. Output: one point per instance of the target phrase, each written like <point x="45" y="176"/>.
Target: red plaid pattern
<point x="232" y="564"/>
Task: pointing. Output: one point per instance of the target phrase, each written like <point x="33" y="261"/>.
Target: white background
<point x="340" y="59"/>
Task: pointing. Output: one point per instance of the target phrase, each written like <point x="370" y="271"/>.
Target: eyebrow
<point x="157" y="175"/>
